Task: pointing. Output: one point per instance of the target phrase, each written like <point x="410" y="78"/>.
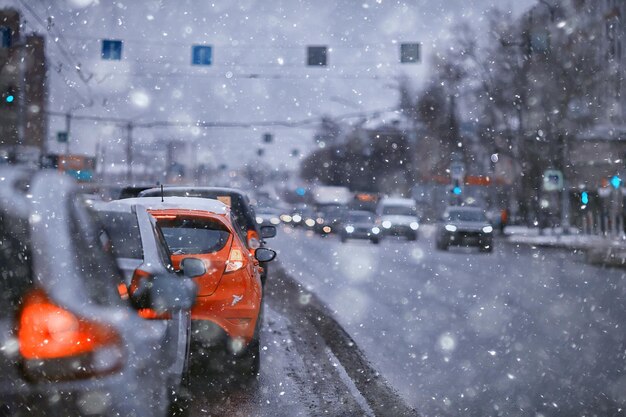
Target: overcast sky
<point x="258" y="71"/>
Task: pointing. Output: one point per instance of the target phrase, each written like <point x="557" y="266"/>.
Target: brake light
<point x="56" y="344"/>
<point x="235" y="260"/>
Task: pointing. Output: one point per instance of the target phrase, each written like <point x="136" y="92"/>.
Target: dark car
<point x="464" y="226"/>
<point x="360" y="224"/>
<point x="239" y="203"/>
<point x="71" y="344"/>
<point x="329" y="218"/>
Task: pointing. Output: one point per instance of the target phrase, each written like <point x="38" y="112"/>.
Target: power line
<point x="64" y="50"/>
<point x="264" y="123"/>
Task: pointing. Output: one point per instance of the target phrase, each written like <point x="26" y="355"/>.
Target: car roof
<point x="361" y="212"/>
<point x="169" y="203"/>
<point x="216" y="190"/>
<point x="464" y="208"/>
<point x="397" y="201"/>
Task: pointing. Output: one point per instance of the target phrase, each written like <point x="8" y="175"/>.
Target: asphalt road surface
<point x="521" y="331"/>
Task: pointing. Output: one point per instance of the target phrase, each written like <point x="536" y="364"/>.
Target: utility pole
<point x="129" y="152"/>
<point x="68" y="124"/>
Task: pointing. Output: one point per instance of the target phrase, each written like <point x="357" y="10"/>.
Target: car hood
<point x="399" y="219"/>
<point x="469" y="226"/>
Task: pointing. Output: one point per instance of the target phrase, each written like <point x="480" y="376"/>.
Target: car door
<point x="177" y="329"/>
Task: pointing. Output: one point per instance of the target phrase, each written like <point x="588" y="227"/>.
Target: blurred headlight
<point x="387" y="224"/>
<point x="319" y="220"/>
<point x="349" y="229"/>
<point x="414" y="225"/>
<point x="259" y="219"/>
<point x="326" y="229"/>
<point x="450" y="228"/>
<point x="309" y="222"/>
<point x="487" y="229"/>
<point x="275" y="220"/>
<point x="285" y="218"/>
<point x="375" y="230"/>
<point x="296" y="218"/>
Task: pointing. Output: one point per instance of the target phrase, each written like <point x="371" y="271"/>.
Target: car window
<point x="95" y="260"/>
<point x="399" y="211"/>
<point x="123" y="229"/>
<point x="186" y="236"/>
<point x="466" y="216"/>
<point x="359" y="217"/>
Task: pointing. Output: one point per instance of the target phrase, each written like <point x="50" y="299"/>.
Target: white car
<point x="398" y="217"/>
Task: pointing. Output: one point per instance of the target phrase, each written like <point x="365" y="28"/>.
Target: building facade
<point x="23" y="87"/>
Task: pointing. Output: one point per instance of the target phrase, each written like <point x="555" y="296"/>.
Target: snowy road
<point x="521" y="331"/>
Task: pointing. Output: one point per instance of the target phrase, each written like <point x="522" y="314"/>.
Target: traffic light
<point x="456" y="188"/>
<point x="584" y="198"/>
<point x="616" y="181"/>
<point x="9" y="97"/>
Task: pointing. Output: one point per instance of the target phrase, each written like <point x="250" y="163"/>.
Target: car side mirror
<point x="268" y="232"/>
<point x="264" y="255"/>
<point x="192" y="267"/>
<point x="169" y="293"/>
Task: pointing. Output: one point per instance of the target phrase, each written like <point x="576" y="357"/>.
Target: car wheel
<point x="375" y="240"/>
<point x="412" y="237"/>
<point x="343" y="239"/>
<point x="442" y="246"/>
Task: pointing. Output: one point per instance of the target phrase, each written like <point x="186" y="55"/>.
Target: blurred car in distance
<point x="71" y="344"/>
<point x="267" y="216"/>
<point x="329" y="218"/>
<point x="360" y="224"/>
<point x="398" y="217"/>
<point x="464" y="226"/>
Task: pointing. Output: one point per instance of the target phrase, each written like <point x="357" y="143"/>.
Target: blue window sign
<point x="111" y="50"/>
<point x="201" y="55"/>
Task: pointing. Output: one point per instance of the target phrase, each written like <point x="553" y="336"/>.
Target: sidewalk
<point x="610" y="251"/>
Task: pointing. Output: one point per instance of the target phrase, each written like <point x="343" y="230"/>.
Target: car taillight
<point x="55" y="344"/>
<point x="235" y="260"/>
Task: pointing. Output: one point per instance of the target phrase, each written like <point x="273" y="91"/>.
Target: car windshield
<point x="399" y="211"/>
<point x="187" y="236"/>
<point x="360" y="217"/>
<point x="123" y="231"/>
<point x="466" y="216"/>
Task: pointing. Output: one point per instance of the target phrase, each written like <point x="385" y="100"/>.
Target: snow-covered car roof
<point x="169" y="203"/>
<point x="397" y="201"/>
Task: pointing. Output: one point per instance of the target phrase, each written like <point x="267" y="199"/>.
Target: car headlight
<point x="414" y="225"/>
<point x="349" y="229"/>
<point x="387" y="224"/>
<point x="285" y="218"/>
<point x="487" y="229"/>
<point x="375" y="230"/>
<point x="309" y="222"/>
<point x="450" y="228"/>
<point x="275" y="221"/>
<point x="296" y="218"/>
<point x="259" y="219"/>
<point x="319" y="220"/>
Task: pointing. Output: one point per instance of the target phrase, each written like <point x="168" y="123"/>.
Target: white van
<point x="398" y="217"/>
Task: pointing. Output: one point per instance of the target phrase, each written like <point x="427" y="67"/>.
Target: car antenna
<point x="162" y="199"/>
